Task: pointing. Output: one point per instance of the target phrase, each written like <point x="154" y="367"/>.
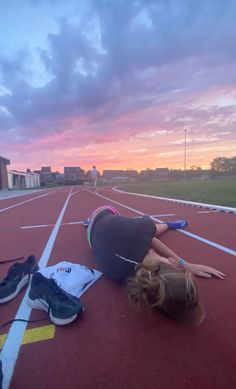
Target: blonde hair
<point x="169" y="289"/>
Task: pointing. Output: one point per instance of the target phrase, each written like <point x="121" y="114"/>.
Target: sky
<point x="115" y="83"/>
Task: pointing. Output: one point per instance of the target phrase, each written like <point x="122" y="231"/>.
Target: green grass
<point x="218" y="192"/>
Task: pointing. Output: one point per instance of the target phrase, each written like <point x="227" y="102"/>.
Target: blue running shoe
<point x="86" y="222"/>
<point x="178" y="224"/>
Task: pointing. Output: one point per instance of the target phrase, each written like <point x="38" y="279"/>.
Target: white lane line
<point x="12" y="344"/>
<point x="208" y="211"/>
<point x="209" y="242"/>
<point x="37" y="226"/>
<point x="26" y="201"/>
<point x="165" y="214"/>
<point x="49" y="225"/>
<point x="64" y="224"/>
<point x="78" y="191"/>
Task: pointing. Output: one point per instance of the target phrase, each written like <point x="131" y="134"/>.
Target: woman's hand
<point x="203" y="271"/>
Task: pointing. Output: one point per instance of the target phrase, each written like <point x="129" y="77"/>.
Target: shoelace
<point x="22" y="320"/>
<point x="11" y="260"/>
<point x="57" y="291"/>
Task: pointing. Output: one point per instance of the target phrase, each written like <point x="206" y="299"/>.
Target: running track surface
<point x="111" y="345"/>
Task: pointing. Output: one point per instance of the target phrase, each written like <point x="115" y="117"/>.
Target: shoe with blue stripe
<point x="177" y="225"/>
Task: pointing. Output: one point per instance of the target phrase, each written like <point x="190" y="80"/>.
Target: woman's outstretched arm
<point x="163" y="250"/>
<point x="203" y="270"/>
<point x="198" y="270"/>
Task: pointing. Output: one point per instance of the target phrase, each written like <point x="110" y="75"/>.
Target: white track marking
<point x="49" y="225"/>
<point x="26" y="201"/>
<point x="184" y="202"/>
<point x="64" y="224"/>
<point x="166" y="214"/>
<point x="12" y="344"/>
<point x="209" y="242"/>
<point x="37" y="226"/>
<point x="78" y="191"/>
<point x="213" y="211"/>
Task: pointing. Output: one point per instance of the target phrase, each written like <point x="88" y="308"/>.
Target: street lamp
<point x="185" y="149"/>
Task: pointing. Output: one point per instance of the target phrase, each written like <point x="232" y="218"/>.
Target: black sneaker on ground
<point x="45" y="294"/>
<point x="17" y="277"/>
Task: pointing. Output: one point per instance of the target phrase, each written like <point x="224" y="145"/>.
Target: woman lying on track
<point x="128" y="250"/>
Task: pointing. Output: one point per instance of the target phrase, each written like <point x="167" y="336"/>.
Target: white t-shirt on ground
<point x="72" y="277"/>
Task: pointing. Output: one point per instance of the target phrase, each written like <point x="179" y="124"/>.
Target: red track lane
<point x="112" y="346"/>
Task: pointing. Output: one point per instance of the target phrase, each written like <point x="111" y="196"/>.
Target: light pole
<point x="185" y="149"/>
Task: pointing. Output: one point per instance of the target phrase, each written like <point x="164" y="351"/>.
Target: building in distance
<point x="154" y="174"/>
<point x="73" y="175"/>
<point x="23" y="180"/>
<point x="3" y="172"/>
<point x="46" y="176"/>
<point x="120" y="175"/>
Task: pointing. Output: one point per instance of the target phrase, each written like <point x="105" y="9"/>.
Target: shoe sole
<point x="23" y="282"/>
<point x="43" y="306"/>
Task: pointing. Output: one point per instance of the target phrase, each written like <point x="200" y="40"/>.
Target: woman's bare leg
<point x="160" y="228"/>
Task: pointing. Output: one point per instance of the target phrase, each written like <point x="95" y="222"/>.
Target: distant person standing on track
<point x="94" y="176"/>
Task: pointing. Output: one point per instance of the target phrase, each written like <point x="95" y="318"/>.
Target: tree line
<point x="224" y="165"/>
